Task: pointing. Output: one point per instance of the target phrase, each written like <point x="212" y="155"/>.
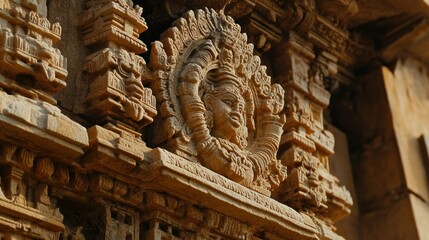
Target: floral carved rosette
<point x="216" y="103"/>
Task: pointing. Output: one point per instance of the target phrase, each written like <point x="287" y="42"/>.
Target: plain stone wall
<point x="408" y="93"/>
<point x="340" y="166"/>
<point x="367" y="117"/>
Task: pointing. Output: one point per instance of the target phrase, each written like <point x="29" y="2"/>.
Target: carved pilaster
<point x="113" y="221"/>
<point x="116" y="93"/>
<point x="306" y="142"/>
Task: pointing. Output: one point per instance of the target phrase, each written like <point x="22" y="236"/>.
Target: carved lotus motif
<point x="217" y="105"/>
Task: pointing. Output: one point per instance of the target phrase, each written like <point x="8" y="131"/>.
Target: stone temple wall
<point x="129" y="120"/>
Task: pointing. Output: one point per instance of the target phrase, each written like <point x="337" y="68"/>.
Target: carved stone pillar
<point x="116" y="73"/>
<point x="116" y="99"/>
<point x="31" y="71"/>
<point x="306" y="143"/>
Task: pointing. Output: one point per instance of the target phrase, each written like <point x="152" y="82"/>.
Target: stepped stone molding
<point x="252" y="206"/>
<point x="41" y="126"/>
<point x="193" y="192"/>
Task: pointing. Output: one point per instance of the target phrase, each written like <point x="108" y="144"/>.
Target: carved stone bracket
<point x="114" y="151"/>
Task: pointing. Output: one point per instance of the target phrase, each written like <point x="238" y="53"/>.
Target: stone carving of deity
<point x="217" y="104"/>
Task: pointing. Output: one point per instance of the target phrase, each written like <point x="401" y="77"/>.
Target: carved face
<point x="212" y="86"/>
<point x="226" y="113"/>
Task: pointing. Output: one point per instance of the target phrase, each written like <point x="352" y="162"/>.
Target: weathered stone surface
<point x="219" y="116"/>
<point x="212" y="120"/>
<point x="40" y="126"/>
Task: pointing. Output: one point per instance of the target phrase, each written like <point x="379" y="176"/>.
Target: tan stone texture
<point x="265" y="119"/>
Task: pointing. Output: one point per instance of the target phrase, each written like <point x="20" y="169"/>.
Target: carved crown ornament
<point x="216" y="103"/>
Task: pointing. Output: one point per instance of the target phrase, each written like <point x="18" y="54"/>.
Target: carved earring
<point x="208" y="114"/>
<point x="209" y="119"/>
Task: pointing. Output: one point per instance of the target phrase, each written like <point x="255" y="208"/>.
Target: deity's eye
<point x="227" y="102"/>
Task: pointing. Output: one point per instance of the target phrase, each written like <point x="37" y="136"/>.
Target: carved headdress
<point x="217" y="105"/>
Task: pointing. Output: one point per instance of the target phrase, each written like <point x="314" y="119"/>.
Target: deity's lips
<point x="236" y="119"/>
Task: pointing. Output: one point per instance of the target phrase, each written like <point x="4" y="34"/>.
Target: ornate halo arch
<point x="200" y="45"/>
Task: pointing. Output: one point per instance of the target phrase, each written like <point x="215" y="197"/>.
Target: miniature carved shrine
<point x="189" y="119"/>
